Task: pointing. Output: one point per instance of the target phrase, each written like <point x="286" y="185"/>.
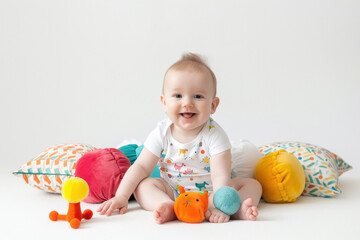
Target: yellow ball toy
<point x="75" y="190"/>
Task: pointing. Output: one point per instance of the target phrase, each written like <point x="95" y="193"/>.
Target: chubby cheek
<point x="171" y="107"/>
<point x="206" y="108"/>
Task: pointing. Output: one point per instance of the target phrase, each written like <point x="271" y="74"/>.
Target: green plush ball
<point x="227" y="200"/>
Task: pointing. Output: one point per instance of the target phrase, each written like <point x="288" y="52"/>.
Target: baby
<point x="191" y="149"/>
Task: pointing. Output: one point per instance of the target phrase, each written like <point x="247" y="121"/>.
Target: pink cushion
<point x="103" y="170"/>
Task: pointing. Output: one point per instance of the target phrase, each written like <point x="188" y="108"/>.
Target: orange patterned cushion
<point x="48" y="170"/>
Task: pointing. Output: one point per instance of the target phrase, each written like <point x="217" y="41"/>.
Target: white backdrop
<point x="91" y="71"/>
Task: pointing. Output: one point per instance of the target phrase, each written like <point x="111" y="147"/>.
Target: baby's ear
<point x="214" y="104"/>
<point x="162" y="99"/>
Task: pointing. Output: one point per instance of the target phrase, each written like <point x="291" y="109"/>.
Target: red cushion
<point x="103" y="170"/>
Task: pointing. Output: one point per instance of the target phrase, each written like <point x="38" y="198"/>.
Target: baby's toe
<point x="225" y="219"/>
<point x="254" y="211"/>
<point x="207" y="215"/>
<point x="252" y="218"/>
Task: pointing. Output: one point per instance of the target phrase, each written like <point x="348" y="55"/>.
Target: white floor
<point x="25" y="216"/>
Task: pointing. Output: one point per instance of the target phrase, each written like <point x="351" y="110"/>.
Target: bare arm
<point x="141" y="169"/>
<point x="220" y="165"/>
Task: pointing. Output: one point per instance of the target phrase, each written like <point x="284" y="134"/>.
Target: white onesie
<point x="188" y="164"/>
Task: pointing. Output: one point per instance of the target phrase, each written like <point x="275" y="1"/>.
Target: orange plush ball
<point x="191" y="207"/>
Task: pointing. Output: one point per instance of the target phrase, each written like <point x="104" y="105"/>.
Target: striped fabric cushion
<point x="48" y="170"/>
<point x="322" y="167"/>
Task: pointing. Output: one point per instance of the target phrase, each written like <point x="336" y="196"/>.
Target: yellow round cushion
<point x="281" y="176"/>
<point x="75" y="189"/>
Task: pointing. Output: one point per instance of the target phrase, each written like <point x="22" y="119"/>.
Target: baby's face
<point x="188" y="99"/>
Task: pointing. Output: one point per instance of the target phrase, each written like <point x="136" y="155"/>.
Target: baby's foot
<point x="214" y="215"/>
<point x="164" y="213"/>
<point x="247" y="211"/>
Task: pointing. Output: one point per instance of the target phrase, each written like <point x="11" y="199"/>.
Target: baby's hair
<point x="194" y="62"/>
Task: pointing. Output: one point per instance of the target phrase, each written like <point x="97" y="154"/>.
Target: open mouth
<point x="187" y="115"/>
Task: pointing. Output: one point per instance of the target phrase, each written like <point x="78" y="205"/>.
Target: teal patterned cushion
<point x="322" y="167"/>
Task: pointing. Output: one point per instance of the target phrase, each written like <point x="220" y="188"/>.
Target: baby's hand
<point x="117" y="202"/>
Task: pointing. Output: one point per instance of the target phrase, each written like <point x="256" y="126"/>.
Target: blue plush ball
<point x="227" y="200"/>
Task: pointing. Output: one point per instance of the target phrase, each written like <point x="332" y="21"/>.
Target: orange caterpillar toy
<point x="73" y="190"/>
<point x="191" y="207"/>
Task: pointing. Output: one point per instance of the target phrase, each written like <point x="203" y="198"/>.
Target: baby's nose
<point x="187" y="103"/>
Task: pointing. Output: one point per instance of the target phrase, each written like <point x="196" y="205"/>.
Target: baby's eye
<point x="198" y="96"/>
<point x="177" y="96"/>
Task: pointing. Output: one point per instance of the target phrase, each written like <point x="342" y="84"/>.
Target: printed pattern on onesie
<point x="187" y="165"/>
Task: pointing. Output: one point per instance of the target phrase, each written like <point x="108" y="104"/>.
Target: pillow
<point x="244" y="156"/>
<point x="281" y="176"/>
<point x="48" y="170"/>
<point x="103" y="170"/>
<point x="322" y="167"/>
<point x="132" y="152"/>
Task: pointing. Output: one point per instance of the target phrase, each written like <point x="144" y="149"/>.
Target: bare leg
<point x="250" y="193"/>
<point x="154" y="194"/>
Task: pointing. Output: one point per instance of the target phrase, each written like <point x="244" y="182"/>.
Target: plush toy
<point x="190" y="207"/>
<point x="281" y="176"/>
<point x="73" y="190"/>
<point x="103" y="170"/>
<point x="227" y="200"/>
